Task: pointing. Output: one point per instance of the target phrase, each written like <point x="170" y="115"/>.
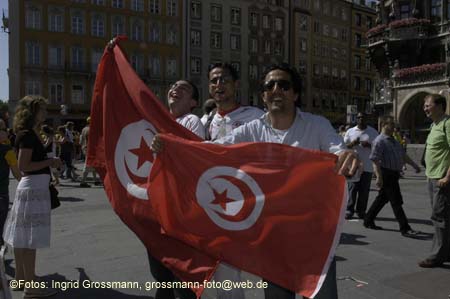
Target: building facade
<point x="249" y="34"/>
<point x="410" y="47"/>
<point x="56" y="45"/>
<point x="324" y="49"/>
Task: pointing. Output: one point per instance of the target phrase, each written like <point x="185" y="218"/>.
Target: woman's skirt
<point x="28" y="224"/>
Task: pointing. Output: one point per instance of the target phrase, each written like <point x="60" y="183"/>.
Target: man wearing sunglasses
<point x="285" y="123"/>
<point x="360" y="138"/>
<point x="223" y="82"/>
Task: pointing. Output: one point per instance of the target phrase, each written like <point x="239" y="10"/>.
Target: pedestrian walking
<point x="437" y="161"/>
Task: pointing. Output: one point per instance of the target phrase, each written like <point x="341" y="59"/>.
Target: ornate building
<point x="410" y="47"/>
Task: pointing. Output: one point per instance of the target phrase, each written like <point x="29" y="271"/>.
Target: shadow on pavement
<point x="87" y="293"/>
<point x="410" y="220"/>
<point x="351" y="239"/>
<point x="70" y="199"/>
<point x="339" y="258"/>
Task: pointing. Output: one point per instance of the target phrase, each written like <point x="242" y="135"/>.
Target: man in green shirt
<point x="437" y="161"/>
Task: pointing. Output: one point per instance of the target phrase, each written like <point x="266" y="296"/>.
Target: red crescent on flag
<point x="249" y="200"/>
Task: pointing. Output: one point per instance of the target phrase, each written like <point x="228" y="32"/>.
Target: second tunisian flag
<point x="270" y="209"/>
<point x="125" y="115"/>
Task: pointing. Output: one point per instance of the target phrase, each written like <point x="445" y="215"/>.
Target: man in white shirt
<point x="284" y="123"/>
<point x="360" y="138"/>
<point x="223" y="82"/>
<point x="182" y="97"/>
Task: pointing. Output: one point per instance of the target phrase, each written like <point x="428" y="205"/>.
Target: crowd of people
<point x="36" y="154"/>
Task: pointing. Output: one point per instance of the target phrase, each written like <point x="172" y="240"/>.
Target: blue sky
<point x="4" y="86"/>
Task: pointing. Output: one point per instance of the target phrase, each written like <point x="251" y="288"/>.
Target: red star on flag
<point x="144" y="153"/>
<point x="221" y="199"/>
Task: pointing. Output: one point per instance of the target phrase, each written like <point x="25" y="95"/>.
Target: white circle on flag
<point x="229" y="184"/>
<point x="127" y="165"/>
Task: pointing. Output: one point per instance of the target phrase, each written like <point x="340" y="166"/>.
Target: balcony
<point x="420" y="75"/>
<point x="405" y="29"/>
<point x="409" y="29"/>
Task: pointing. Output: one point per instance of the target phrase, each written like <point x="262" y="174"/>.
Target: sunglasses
<point x="285" y="85"/>
<point x="223" y="80"/>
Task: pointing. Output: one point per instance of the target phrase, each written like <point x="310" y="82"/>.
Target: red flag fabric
<point x="270" y="209"/>
<point x="125" y="115"/>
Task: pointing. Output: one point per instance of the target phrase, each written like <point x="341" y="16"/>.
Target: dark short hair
<point x="225" y="66"/>
<point x="293" y="73"/>
<point x="209" y="105"/>
<point x="195" y="93"/>
<point x="437" y="100"/>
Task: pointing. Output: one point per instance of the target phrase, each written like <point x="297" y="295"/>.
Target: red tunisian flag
<point x="270" y="209"/>
<point x="125" y="115"/>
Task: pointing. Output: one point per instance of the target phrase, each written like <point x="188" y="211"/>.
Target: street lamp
<point x="5" y="23"/>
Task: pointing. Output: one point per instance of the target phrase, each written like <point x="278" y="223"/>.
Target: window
<point x="316" y="69"/>
<point x="77" y="58"/>
<point x="253" y="45"/>
<point x="196" y="38"/>
<point x="154" y="6"/>
<point x="98" y="26"/>
<point x="196" y="10"/>
<point x="235" y="42"/>
<point x="278" y="48"/>
<point x="368" y="64"/>
<point x="267" y="47"/>
<point x="326" y="8"/>
<point x="56" y="20"/>
<point x="33" y="87"/>
<point x="137" y="62"/>
<point x="253" y="71"/>
<point x="171" y="68"/>
<point x="266" y="22"/>
<point x="369" y="22"/>
<point x="172" y="8"/>
<point x="96" y="56"/>
<point x="98" y="2"/>
<point x="344" y="15"/>
<point x="316" y="27"/>
<point x="356" y="83"/>
<point x="172" y="35"/>
<point x="118" y="26"/>
<point x="326" y="29"/>
<point x="137" y="5"/>
<point x="117" y="3"/>
<point x="155" y="65"/>
<point x="77" y="23"/>
<point x="278" y="24"/>
<point x="33" y="52"/>
<point x="254" y="19"/>
<point x="56" y="92"/>
<point x="235" y="16"/>
<point x="336" y="10"/>
<point x="196" y="65"/>
<point x="303" y="45"/>
<point x="77" y="94"/>
<point x="344" y="35"/>
<point x="216" y="40"/>
<point x="303" y="23"/>
<point x="368" y="85"/>
<point x="55" y="56"/>
<point x="357" y="62"/>
<point x="32" y="17"/>
<point x="216" y="13"/>
<point x="137" y="30"/>
<point x="317" y="5"/>
<point x="357" y="40"/>
<point x="334" y="72"/>
<point x="237" y="66"/>
<point x="155" y="33"/>
<point x="358" y="19"/>
<point x="436" y="8"/>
